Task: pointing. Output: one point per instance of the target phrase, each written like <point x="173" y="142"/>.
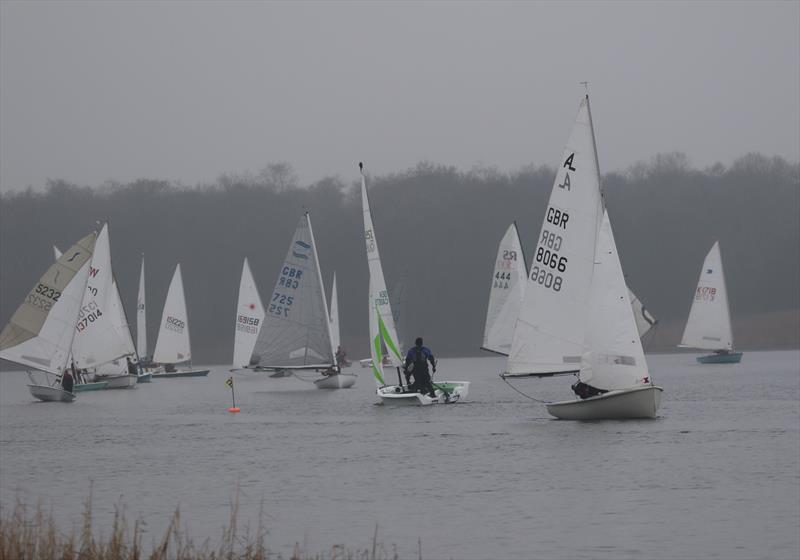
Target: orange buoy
<point x="234" y="409"/>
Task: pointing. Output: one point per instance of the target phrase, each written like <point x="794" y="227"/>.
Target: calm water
<point x="716" y="476"/>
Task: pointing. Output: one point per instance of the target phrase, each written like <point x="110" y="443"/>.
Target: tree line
<point x="438" y="229"/>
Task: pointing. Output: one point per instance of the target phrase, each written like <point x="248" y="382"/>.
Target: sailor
<point x="131" y="367"/>
<point x="67" y="382"/>
<point x="341" y="357"/>
<point x="584" y="390"/>
<point x="416" y="364"/>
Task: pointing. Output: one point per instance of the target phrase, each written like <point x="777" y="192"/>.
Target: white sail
<point x="173" y="345"/>
<point x="380" y="309"/>
<point x="644" y="319"/>
<point x="56" y="252"/>
<point x="296" y="330"/>
<point x="614" y="358"/>
<point x="709" y="324"/>
<point x="506" y="293"/>
<point x="121" y="320"/>
<point x="249" y="318"/>
<point x="336" y="337"/>
<point x="98" y="339"/>
<point x="141" y="317"/>
<point x="549" y="334"/>
<point x="40" y="332"/>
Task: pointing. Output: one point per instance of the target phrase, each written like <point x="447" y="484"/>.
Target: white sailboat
<point x="296" y="332"/>
<point x="249" y="317"/>
<point x="336" y="335"/>
<point x="40" y="333"/>
<point x="103" y="342"/>
<point x="384" y="335"/>
<point x="576" y="317"/>
<point x="709" y="323"/>
<point x="507" y="292"/>
<point x="141" y="330"/>
<point x="173" y="345"/>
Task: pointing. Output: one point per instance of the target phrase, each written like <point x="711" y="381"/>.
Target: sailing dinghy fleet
<point x="571" y="313"/>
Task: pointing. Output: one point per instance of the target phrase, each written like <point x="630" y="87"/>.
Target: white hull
<point x="50" y="394"/>
<point x="338" y="381"/>
<point x="641" y="402"/>
<point x="395" y="395"/>
<point x="118" y="381"/>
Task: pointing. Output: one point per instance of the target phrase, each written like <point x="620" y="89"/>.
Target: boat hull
<point x="640" y="402"/>
<point x="46" y="393"/>
<point x="188" y="373"/>
<point x="338" y="381"/>
<point x="93" y="386"/>
<point x="127" y="381"/>
<point x="732" y="358"/>
<point x="447" y="392"/>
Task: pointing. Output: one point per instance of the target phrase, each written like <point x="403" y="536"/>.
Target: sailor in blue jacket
<point x="416" y="364"/>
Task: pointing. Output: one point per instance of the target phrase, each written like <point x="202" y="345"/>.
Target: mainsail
<point x="173" y="345"/>
<point x="141" y="317"/>
<point x="40" y="332"/>
<point x="709" y="324"/>
<point x="506" y="294"/>
<point x="296" y="330"/>
<point x="549" y="336"/>
<point x="614" y="357"/>
<point x="381" y="322"/>
<point x="249" y="317"/>
<point x="101" y="334"/>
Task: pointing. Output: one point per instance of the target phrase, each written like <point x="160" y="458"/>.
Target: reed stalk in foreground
<point x="26" y="535"/>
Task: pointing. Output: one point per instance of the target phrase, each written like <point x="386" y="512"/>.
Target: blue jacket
<point x="426" y="355"/>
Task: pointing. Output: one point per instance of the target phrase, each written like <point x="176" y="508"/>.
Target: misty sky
<point x="91" y="91"/>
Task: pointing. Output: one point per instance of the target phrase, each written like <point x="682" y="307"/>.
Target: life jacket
<point x="420" y="359"/>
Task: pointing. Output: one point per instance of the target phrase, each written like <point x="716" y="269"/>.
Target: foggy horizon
<point x="95" y="92"/>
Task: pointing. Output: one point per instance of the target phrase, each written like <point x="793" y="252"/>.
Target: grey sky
<point x="184" y="91"/>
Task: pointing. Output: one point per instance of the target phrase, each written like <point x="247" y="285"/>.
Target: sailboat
<point x="249" y="318"/>
<point x="40" y="333"/>
<point x="296" y="332"/>
<point x="506" y="293"/>
<point x="173" y="345"/>
<point x="576" y="317"/>
<point x="709" y="324"/>
<point x="103" y="343"/>
<point x="141" y="331"/>
<point x="508" y="290"/>
<point x="383" y="333"/>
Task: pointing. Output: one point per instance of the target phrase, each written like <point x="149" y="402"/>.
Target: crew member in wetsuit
<point x="584" y="390"/>
<point x="416" y="364"/>
<point x="67" y="382"/>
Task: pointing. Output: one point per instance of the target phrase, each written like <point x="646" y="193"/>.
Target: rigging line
<point x="523" y="394"/>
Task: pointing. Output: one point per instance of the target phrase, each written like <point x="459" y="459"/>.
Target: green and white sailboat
<point x="383" y="334"/>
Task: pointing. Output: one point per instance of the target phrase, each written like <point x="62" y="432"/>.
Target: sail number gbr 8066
<point x="548" y="263"/>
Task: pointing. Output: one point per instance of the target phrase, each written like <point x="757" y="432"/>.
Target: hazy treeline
<point x="437" y="228"/>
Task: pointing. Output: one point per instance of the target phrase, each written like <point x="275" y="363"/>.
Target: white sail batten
<point x="99" y="336"/>
<point x="295" y="331"/>
<point x="336" y="337"/>
<point x="381" y="324"/>
<point x="506" y="293"/>
<point x="249" y="317"/>
<point x="615" y="358"/>
<point x="173" y="344"/>
<point x="709" y="323"/>
<point x="141" y="317"/>
<point x="549" y="335"/>
<point x="40" y="333"/>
